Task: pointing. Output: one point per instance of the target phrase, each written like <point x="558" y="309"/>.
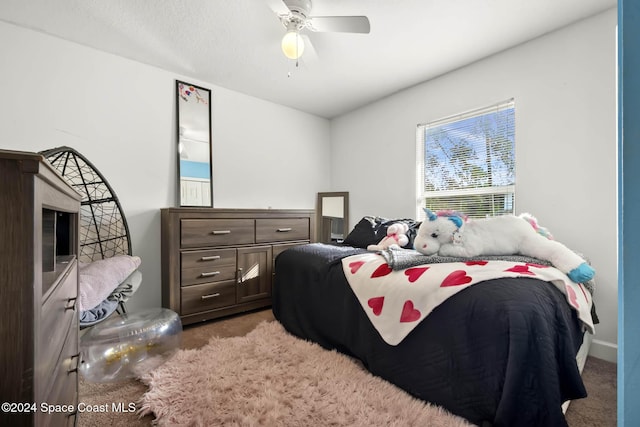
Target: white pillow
<point x="99" y="278"/>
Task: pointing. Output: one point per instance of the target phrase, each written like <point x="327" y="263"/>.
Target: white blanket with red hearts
<point x="397" y="301"/>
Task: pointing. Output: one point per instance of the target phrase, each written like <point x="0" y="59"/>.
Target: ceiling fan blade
<point x="278" y="7"/>
<point x="340" y="24"/>
<point x="310" y="54"/>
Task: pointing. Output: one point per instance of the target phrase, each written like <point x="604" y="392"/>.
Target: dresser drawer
<point x="216" y="232"/>
<point x="281" y="229"/>
<point x="59" y="313"/>
<point x="207" y="266"/>
<point x="198" y="298"/>
<point x="64" y="380"/>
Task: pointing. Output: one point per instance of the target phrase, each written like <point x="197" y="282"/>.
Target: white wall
<point x="120" y="114"/>
<point x="565" y="98"/>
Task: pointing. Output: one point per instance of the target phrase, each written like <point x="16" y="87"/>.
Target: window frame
<point x="421" y="142"/>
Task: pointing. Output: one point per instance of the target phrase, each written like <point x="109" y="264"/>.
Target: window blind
<point x="466" y="162"/>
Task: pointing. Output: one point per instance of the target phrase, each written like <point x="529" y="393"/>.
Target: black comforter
<point x="501" y="352"/>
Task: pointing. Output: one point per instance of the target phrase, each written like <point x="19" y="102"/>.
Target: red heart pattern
<point x="573" y="298"/>
<point x="376" y="305"/>
<point x="521" y="269"/>
<point x="355" y="266"/>
<point x="388" y="293"/>
<point x="383" y="270"/>
<point x="456" y="278"/>
<point x="414" y="273"/>
<point x="409" y="314"/>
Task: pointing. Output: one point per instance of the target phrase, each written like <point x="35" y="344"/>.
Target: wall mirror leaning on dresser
<point x="333" y="216"/>
<point x="195" y="170"/>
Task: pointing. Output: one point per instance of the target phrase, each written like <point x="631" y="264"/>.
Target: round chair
<point x="112" y="347"/>
<point x="104" y="234"/>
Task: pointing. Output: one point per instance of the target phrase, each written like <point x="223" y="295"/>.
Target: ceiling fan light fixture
<point x="292" y="44"/>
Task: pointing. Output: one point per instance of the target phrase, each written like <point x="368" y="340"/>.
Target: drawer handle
<point x="204" y="297"/>
<point x="71" y="304"/>
<point x="77" y="357"/>
<point x="219" y="232"/>
<point x="240" y="278"/>
<point x="209" y="273"/>
<point x="210" y="258"/>
<point x="284" y="230"/>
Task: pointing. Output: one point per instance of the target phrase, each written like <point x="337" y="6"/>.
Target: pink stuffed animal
<point x="396" y="235"/>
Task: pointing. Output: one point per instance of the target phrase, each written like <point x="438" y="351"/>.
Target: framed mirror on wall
<point x="332" y="216"/>
<point x="195" y="168"/>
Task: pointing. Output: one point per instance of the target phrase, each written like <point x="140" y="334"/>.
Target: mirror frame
<point x="201" y="93"/>
<point x="345" y="210"/>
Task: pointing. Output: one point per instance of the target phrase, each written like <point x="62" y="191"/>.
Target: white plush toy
<point x="396" y="235"/>
<point x="451" y="234"/>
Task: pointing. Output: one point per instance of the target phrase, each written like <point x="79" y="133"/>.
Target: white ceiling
<point x="236" y="43"/>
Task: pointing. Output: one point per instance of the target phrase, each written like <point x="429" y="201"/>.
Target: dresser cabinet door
<point x="254" y="273"/>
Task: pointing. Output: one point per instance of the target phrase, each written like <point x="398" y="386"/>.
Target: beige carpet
<point x="599" y="409"/>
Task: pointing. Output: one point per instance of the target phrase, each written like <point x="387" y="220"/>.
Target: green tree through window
<point x="467" y="162"/>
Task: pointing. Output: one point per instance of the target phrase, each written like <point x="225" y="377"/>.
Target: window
<point x="467" y="162"/>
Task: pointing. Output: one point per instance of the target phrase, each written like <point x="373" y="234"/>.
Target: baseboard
<point x="604" y="350"/>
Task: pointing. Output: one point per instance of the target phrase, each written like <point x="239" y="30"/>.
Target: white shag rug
<point x="271" y="378"/>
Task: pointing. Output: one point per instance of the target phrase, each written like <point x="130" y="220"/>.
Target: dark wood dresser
<point x="39" y="218"/>
<point x="217" y="262"/>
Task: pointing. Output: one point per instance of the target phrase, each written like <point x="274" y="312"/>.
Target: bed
<point x="501" y="352"/>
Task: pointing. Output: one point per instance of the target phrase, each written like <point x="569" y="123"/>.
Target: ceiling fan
<point x="295" y="15"/>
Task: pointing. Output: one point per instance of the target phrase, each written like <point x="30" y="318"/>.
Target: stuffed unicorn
<point x="449" y="233"/>
<point x="396" y="235"/>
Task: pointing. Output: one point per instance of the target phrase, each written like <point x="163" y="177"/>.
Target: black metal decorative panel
<point x="103" y="227"/>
